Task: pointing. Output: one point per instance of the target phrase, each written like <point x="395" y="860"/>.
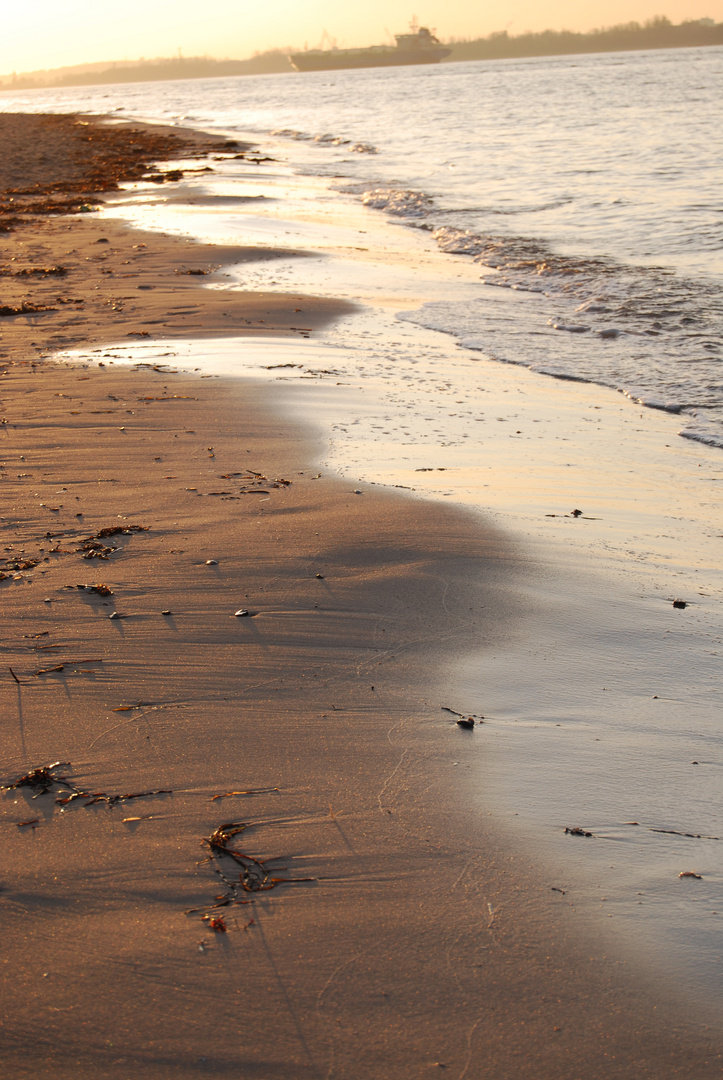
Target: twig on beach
<point x="465" y="717"/>
<point x="17" y="680"/>
<point x="221" y="901"/>
<point x="112" y="800"/>
<point x="66" y="664"/>
<point x="251" y="791"/>
<point x="574" y="514"/>
<point x="692" y="836"/>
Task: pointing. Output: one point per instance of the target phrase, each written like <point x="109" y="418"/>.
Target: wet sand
<point x="420" y="944"/>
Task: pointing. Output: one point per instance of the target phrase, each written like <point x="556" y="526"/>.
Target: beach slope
<point x="225" y="651"/>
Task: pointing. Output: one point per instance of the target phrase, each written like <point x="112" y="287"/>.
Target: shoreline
<point x="50" y="293"/>
<point x="597" y="687"/>
<point x="388" y="883"/>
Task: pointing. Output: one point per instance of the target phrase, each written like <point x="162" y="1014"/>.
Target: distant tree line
<point x="657" y="33"/>
<point x="198" y="67"/>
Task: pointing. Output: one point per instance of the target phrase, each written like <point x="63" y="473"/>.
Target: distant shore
<point x="274" y="664"/>
<point x="658" y="33"/>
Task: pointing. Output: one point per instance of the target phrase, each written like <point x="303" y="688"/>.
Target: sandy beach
<point x="209" y="635"/>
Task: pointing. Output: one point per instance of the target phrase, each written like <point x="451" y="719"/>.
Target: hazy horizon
<point x="85" y="32"/>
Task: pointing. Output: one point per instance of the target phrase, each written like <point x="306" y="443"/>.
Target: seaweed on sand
<point x="254" y="875"/>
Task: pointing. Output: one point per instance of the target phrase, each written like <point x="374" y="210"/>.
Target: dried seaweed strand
<point x="44" y="778"/>
<point x="254" y="876"/>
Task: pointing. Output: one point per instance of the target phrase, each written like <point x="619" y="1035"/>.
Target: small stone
<point x="166" y="613"/>
<point x="47" y="600"/>
<point x="466" y="722"/>
<point x="114" y="615"/>
<point x="240" y="613"/>
<point x="211" y="562"/>
<point x="680" y="603"/>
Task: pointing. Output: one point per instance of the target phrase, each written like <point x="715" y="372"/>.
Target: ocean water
<point x="572" y="211"/>
<point x="589" y="186"/>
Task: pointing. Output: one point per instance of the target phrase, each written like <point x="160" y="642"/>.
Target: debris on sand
<point x="115" y="530"/>
<point x="93" y="548"/>
<point x="99" y="588"/>
<point x="216" y="924"/>
<point x="7" y="312"/>
<point x="466" y="720"/>
<point x="249" y="791"/>
<point x="41" y="778"/>
<point x="111" y="800"/>
<point x="35" y="271"/>
<point x="70" y="664"/>
<point x="45" y="777"/>
<point x="20" y="564"/>
<point x="254" y="876"/>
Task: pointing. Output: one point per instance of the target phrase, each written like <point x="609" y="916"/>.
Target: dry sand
<point x="419" y="946"/>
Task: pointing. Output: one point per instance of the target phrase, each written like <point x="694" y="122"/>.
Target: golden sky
<point x="58" y="33"/>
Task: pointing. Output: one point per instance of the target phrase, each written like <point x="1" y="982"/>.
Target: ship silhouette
<point x="419" y="46"/>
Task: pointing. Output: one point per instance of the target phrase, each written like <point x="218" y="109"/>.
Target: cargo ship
<point x="419" y="46"/>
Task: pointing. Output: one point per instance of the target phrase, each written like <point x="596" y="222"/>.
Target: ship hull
<point x="340" y="59"/>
